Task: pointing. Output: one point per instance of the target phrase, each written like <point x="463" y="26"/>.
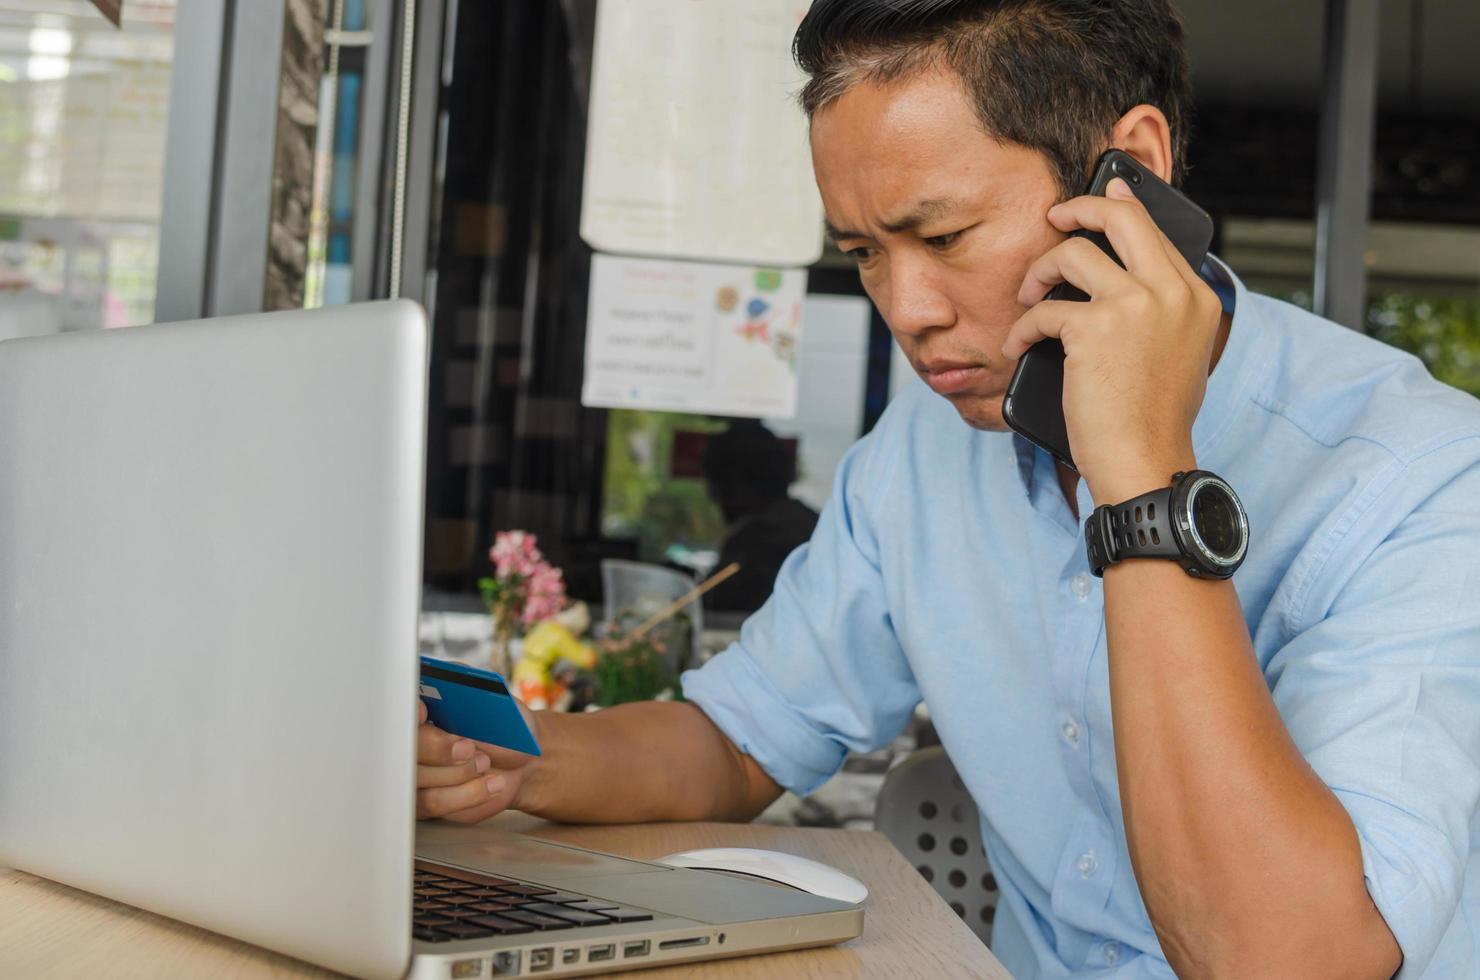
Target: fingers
<point x="1126" y="222"/>
<point x="1076" y="261"/>
<point x="1189" y="275"/>
<point x="484" y="794"/>
<point x="1049" y="318"/>
<point x="435" y="747"/>
<point x="502" y="758"/>
<point x="428" y="776"/>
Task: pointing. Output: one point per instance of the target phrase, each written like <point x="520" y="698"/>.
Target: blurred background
<point x="227" y="156"/>
<point x="435" y="149"/>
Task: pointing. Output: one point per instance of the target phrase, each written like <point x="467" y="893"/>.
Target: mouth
<point x="951" y="377"/>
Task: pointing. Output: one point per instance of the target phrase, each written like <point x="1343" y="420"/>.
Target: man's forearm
<point x="641" y="762"/>
<point x="1247" y="863"/>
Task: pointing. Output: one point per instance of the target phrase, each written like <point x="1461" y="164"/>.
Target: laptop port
<point x="681" y="943"/>
<point x="541" y="959"/>
<point x="635" y="949"/>
<point x="506" y="964"/>
<point x="605" y="951"/>
<point x="466" y="968"/>
<point x="572" y="955"/>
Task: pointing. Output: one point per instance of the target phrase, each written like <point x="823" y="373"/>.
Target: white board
<point x="695" y="146"/>
<point x="693" y="337"/>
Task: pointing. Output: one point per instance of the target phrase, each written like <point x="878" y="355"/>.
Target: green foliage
<point x="1444" y="333"/>
<point x="493" y="590"/>
<point x="643" y="499"/>
<point x="631" y="671"/>
<point x="502" y="596"/>
<point x="640" y="669"/>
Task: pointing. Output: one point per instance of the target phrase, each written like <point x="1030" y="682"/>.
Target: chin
<point x="987" y="424"/>
<point x="983" y="412"/>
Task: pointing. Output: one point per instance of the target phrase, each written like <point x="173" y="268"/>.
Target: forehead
<point x="888" y="114"/>
<point x="879" y="146"/>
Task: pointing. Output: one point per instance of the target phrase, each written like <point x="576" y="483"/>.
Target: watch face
<point x="1217" y="522"/>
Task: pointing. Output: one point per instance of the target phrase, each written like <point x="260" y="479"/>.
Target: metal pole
<point x="218" y="158"/>
<point x="421" y="151"/>
<point x="186" y="217"/>
<point x="1344" y="179"/>
<point x="403" y="138"/>
<point x="248" y="141"/>
<point x="373" y="173"/>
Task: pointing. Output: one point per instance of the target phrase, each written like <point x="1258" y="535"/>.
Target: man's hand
<point x="463" y="780"/>
<point x="633" y="763"/>
<point x="1137" y="355"/>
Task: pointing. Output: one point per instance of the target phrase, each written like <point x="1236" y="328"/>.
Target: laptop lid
<point x="210" y="563"/>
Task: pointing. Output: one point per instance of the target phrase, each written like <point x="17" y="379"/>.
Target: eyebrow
<point x="922" y="212"/>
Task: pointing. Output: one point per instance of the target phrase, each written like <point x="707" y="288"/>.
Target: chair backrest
<point x="639" y="589"/>
<point x="925" y="811"/>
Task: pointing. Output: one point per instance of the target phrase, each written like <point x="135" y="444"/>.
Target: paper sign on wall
<point x="695" y="146"/>
<point x="693" y="337"/>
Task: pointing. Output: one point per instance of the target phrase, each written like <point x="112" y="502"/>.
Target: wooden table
<point x="50" y="930"/>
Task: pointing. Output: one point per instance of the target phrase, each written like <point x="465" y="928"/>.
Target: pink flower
<point x="515" y="553"/>
<point x="545" y="593"/>
<point x="534" y="589"/>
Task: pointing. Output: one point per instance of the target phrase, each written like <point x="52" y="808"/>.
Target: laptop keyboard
<point x="455" y="904"/>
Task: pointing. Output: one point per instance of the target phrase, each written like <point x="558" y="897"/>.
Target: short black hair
<point x="1051" y="75"/>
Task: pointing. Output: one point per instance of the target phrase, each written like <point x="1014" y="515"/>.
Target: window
<point x="83" y="107"/>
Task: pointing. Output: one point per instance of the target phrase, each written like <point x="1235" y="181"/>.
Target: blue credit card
<point x="475" y="704"/>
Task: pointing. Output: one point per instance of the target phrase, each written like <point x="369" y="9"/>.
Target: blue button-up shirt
<point x="948" y="567"/>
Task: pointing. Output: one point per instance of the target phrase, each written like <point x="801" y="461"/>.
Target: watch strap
<point x="1138" y="528"/>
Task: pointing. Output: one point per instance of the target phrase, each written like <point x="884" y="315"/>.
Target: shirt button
<point x="1071" y="732"/>
<point x="1111" y="953"/>
<point x="1081" y="586"/>
<point x="1087" y="864"/>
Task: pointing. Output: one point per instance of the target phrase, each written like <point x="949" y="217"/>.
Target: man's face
<point x="943" y="221"/>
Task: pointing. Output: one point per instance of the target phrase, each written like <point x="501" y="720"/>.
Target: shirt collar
<point x="1228" y="384"/>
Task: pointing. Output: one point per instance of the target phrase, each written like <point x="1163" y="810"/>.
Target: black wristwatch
<point x="1198" y="522"/>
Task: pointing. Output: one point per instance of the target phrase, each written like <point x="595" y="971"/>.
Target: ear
<point x="1144" y="134"/>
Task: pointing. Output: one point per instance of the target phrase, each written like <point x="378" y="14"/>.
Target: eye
<point x="943" y="241"/>
<point x="861" y="254"/>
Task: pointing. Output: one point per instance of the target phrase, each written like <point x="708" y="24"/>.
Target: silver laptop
<point x="210" y="569"/>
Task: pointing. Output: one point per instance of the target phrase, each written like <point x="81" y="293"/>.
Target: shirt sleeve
<point x="818" y="670"/>
<point x="1382" y="696"/>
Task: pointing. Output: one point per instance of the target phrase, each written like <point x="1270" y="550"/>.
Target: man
<point x="750" y="472"/>
<point x="1270" y="776"/>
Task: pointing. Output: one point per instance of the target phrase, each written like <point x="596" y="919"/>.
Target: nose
<point x="917" y="305"/>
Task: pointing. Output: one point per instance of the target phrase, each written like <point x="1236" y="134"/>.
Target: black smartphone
<point x="1034" y="404"/>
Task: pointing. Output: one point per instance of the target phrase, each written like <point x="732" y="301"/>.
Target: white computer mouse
<point x="801" y="873"/>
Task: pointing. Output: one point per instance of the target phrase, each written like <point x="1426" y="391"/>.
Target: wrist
<point x="532" y="796"/>
<point x="1138" y="475"/>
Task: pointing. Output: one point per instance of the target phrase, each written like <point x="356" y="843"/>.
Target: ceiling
<point x="1269" y="52"/>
